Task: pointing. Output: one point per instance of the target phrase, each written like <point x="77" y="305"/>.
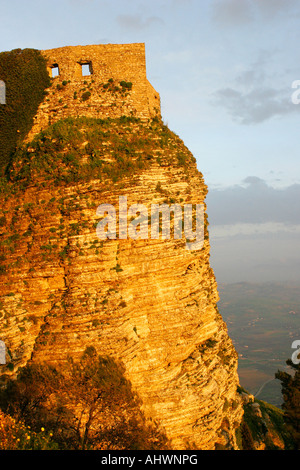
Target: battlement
<point x="105" y="80"/>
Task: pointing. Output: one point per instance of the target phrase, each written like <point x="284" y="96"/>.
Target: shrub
<point x="17" y="436"/>
<point x="56" y="153"/>
<point x="126" y="85"/>
<point x="88" y="404"/>
<point x="85" y="96"/>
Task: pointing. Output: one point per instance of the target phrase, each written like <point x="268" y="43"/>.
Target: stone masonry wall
<point x="99" y="94"/>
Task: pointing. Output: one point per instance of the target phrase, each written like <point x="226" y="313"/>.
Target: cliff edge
<point x="149" y="302"/>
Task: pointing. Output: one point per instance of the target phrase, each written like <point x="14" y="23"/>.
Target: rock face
<point x="150" y="302"/>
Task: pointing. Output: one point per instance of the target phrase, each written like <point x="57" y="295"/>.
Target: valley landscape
<point x="263" y="321"/>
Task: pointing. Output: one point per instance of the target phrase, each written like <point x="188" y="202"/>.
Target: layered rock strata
<point x="151" y="303"/>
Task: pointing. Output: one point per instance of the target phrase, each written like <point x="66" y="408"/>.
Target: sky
<point x="228" y="74"/>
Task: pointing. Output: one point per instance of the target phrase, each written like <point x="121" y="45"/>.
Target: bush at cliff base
<point x="17" y="436"/>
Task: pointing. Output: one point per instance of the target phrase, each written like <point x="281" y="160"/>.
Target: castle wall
<point x="117" y="61"/>
<point x="98" y="94"/>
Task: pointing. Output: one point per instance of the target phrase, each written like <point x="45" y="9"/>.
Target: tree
<point x="290" y="384"/>
<point x="88" y="404"/>
<point x="247" y="439"/>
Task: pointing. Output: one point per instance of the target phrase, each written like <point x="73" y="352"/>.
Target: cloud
<point x="234" y="13"/>
<point x="254" y="232"/>
<point x="255" y="202"/>
<point x="137" y="23"/>
<point x="271" y="8"/>
<point x="244" y="231"/>
<point x="256" y="104"/>
<point x="258" y="92"/>
<point x="256" y="259"/>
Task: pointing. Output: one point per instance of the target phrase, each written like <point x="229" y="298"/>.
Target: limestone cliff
<point x="149" y="302"/>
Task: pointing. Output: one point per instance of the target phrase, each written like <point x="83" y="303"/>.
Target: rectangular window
<point x="55" y="70"/>
<point x="86" y="69"/>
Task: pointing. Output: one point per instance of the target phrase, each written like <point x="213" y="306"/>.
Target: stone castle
<point x="99" y="81"/>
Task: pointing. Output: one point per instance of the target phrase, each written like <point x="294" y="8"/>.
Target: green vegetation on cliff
<point x="26" y="78"/>
<point x="81" y="149"/>
<point x="107" y="153"/>
<point x="267" y="427"/>
<point x="263" y="428"/>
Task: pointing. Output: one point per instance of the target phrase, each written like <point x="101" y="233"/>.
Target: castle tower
<point x="100" y="81"/>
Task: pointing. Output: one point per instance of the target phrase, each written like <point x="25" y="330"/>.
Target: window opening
<point x="55" y="71"/>
<point x="86" y="69"/>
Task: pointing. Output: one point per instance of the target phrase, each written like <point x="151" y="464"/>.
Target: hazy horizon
<point x="255" y="232"/>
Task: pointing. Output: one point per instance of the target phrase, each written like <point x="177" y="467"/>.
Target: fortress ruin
<point x="99" y="81"/>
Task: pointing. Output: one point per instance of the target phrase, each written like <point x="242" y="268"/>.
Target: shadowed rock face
<point x="150" y="302"/>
